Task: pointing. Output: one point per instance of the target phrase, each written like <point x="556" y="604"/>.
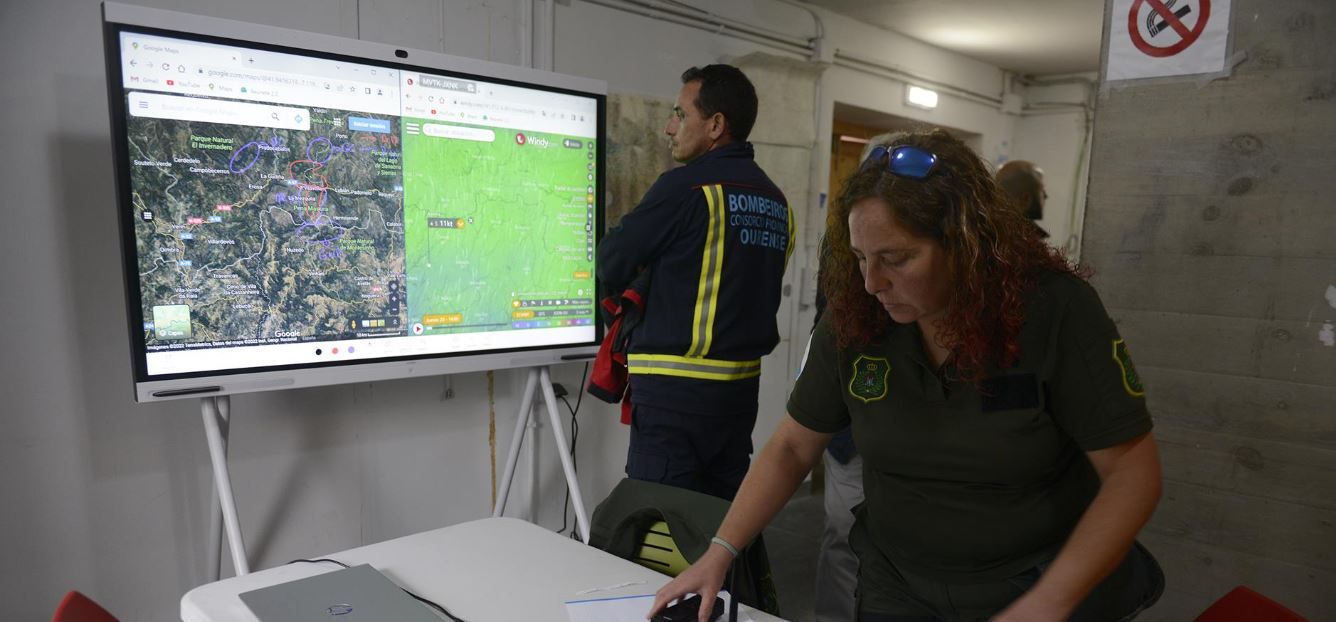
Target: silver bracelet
<point x="724" y="543"/>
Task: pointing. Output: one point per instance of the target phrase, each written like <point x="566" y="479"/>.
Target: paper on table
<point x="623" y="609"/>
<point x="610" y="609"/>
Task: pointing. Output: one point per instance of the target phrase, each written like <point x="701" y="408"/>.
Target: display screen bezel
<point x="134" y="301"/>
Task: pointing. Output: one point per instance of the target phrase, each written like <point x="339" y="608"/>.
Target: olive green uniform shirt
<point x="964" y="484"/>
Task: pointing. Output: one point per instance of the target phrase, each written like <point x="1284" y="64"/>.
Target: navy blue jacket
<point x="715" y="235"/>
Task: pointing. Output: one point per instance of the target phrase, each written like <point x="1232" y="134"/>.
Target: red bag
<point x="608" y="380"/>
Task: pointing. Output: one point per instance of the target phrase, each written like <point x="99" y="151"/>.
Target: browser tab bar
<point x="447" y="84"/>
<point x="474" y="102"/>
<point x="210" y="70"/>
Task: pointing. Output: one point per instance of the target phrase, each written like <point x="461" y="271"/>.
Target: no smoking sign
<point x="1171" y="26"/>
<point x="1158" y="38"/>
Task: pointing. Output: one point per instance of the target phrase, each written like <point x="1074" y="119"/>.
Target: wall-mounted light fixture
<point x="921" y="97"/>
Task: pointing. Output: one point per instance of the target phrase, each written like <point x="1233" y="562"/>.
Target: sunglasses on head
<point x="904" y="160"/>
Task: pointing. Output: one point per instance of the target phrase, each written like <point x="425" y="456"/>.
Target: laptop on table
<point x="357" y="594"/>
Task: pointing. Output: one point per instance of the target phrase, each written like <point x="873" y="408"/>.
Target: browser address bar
<point x="158" y="106"/>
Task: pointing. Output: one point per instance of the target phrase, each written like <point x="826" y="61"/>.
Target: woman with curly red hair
<point x="1008" y="458"/>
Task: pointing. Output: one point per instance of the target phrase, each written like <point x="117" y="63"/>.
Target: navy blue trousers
<point x="708" y="454"/>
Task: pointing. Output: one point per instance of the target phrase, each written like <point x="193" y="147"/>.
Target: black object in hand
<point x="687" y="609"/>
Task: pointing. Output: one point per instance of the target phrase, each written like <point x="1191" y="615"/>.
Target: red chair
<point x="76" y="607"/>
<point x="1244" y="605"/>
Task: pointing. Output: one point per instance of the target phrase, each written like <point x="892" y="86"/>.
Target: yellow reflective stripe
<point x="702" y="318"/>
<point x="698" y="375"/>
<point x="718" y="269"/>
<point x="793" y="232"/>
<point x="696" y="339"/>
<point x="691" y="360"/>
<point x="691" y="367"/>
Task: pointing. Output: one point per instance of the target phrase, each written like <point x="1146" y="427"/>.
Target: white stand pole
<point x="541" y="378"/>
<point x="215" y="542"/>
<point x="216" y="411"/>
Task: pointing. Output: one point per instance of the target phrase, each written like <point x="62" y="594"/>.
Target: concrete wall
<point x="113" y="498"/>
<point x="1211" y="228"/>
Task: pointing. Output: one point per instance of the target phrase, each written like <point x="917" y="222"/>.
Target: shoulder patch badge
<point x="868" y="383"/>
<point x="1131" y="380"/>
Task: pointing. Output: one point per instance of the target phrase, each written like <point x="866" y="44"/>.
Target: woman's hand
<point x="704" y="577"/>
<point x="786" y="459"/>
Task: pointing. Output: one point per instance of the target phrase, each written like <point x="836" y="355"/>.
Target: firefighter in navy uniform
<point x="714" y="236"/>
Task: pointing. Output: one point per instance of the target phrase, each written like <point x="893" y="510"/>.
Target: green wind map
<point x="498" y="232"/>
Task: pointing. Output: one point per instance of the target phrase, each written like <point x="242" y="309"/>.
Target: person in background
<point x="714" y="237"/>
<point x="1023" y="183"/>
<point x="1008" y="457"/>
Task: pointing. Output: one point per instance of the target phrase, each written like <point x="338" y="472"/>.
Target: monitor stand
<point x="540" y="378"/>
<point x="217" y="413"/>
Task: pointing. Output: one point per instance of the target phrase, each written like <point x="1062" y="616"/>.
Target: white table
<point x="489" y="570"/>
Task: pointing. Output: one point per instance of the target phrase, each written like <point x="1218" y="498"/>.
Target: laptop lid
<point x="356" y="594"/>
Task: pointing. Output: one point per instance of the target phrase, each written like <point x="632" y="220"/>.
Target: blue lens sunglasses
<point x="904" y="160"/>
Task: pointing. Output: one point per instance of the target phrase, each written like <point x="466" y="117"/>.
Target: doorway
<point x="853" y="128"/>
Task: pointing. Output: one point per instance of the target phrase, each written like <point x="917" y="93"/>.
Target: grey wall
<point x="1211" y="227"/>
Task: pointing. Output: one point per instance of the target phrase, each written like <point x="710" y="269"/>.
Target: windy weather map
<point x="290" y="209"/>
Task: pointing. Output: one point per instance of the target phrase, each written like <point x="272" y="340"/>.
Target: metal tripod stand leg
<point x="540" y="378"/>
